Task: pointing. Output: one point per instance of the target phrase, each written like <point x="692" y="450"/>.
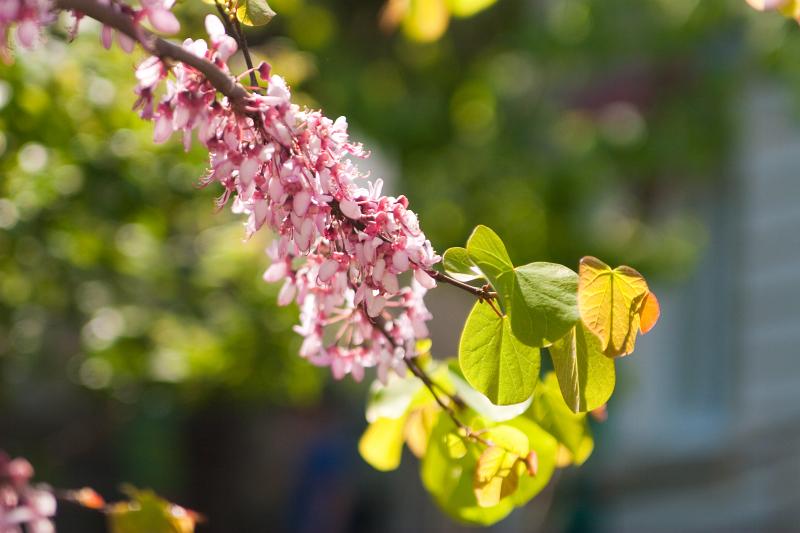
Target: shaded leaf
<point x="494" y="361"/>
<point x="586" y="377"/>
<point x="543" y="303"/>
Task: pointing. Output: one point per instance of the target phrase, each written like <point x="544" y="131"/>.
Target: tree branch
<point x="238" y="95"/>
<point x="483" y="293"/>
<point x="157" y="46"/>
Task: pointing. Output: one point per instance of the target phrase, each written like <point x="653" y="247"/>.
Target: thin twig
<point x="481" y="292"/>
<point x="245" y="51"/>
<point x="232" y="27"/>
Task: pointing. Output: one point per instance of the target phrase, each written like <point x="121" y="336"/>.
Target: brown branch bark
<point x="157" y="46"/>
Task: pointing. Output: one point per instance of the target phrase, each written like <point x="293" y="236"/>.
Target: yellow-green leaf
<point x="498" y="469"/>
<point x="467" y="8"/>
<point x="456" y="446"/>
<point x="610" y="303"/>
<point x="586" y="377"/>
<point x="570" y="429"/>
<point x="496" y="476"/>
<point x="391" y="400"/>
<point x="418" y="427"/>
<point x="487" y="251"/>
<point x="494" y="361"/>
<point x="381" y="445"/>
<point x="147" y="512"/>
<point x="456" y="262"/>
<point x="254" y="12"/>
<point x="426" y="20"/>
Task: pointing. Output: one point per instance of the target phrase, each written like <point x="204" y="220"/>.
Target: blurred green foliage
<point x="572" y="127"/>
<point x="115" y="268"/>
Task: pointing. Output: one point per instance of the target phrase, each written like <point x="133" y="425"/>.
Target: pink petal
<point x="400" y="261"/>
<point x="106" y="36"/>
<point x="162" y="130"/>
<point x="214" y="27"/>
<point x="424" y="279"/>
<point x="287" y="293"/>
<point x="275" y="272"/>
<point x="327" y="270"/>
<point x="300" y="202"/>
<point x="350" y="209"/>
<point x="27" y="32"/>
<point x="163" y="20"/>
<point x="126" y="43"/>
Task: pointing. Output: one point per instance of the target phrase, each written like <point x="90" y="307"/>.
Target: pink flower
<point x="341" y="248"/>
<point x="20" y="502"/>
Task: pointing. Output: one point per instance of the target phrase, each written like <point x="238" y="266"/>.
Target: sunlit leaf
<point x="456" y="445"/>
<point x="651" y="311"/>
<point x="498" y="469"/>
<point x="426" y="20"/>
<point x="546" y="447"/>
<point x="570" y="429"/>
<point x="540" y="298"/>
<point x="494" y="361"/>
<point x="496" y="476"/>
<point x="147" y="512"/>
<point x="254" y="12"/>
<point x="609" y="302"/>
<point x="86" y="497"/>
<point x="467" y="8"/>
<point x="391" y="400"/>
<point x="381" y="445"/>
<point x="586" y="377"/>
<point x="457" y="263"/>
<point x="790" y="9"/>
<point x="481" y="404"/>
<point x="487" y="251"/>
<point x="449" y="480"/>
<point x="418" y="427"/>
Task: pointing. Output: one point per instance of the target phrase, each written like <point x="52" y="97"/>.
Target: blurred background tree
<point x="137" y="339"/>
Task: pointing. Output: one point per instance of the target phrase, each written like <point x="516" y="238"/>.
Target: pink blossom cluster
<point x="354" y="260"/>
<point x="29" y="16"/>
<point x="22" y="504"/>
